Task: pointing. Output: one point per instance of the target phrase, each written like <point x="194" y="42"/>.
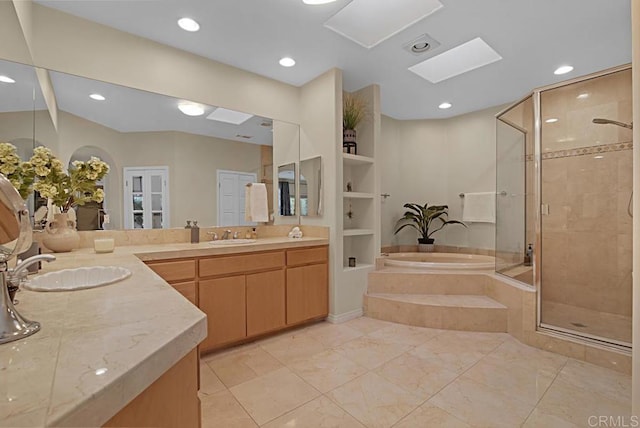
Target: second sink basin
<point x="232" y="241"/>
<point x="77" y="279"/>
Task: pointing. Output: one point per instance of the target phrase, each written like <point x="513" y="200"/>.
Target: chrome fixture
<point x="18" y="275"/>
<point x="235" y="235"/>
<point x="15" y="238"/>
<point x="214" y="236"/>
<point x="600" y="121"/>
<point x="226" y="234"/>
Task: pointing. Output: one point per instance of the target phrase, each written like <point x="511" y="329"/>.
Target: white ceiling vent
<point x="369" y="22"/>
<point x="468" y="56"/>
<point x="421" y="45"/>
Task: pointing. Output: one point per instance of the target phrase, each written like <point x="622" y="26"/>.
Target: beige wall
<point x="434" y="161"/>
<point x="321" y="114"/>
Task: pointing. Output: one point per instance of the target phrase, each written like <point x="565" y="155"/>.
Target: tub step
<point x="445" y="311"/>
<point x="394" y="281"/>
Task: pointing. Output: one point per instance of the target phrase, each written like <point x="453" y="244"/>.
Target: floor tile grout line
<point x="546" y="391"/>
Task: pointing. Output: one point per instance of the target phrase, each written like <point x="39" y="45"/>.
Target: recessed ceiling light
<point x="97" y="97"/>
<point x="552" y="120"/>
<point x="287" y="62"/>
<point x="563" y="70"/>
<point x="317" y="1"/>
<point x="583" y="96"/>
<point x="188" y="24"/>
<point x="598" y="157"/>
<point x="191" y="109"/>
<point x="463" y="58"/>
<point x="229" y="116"/>
<point x="445" y="106"/>
<point x="6" y="79"/>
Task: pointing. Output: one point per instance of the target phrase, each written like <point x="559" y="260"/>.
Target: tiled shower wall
<point x="587" y="184"/>
<point x="586" y="246"/>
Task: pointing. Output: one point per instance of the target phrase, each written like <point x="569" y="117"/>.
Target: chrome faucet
<point x="226" y="234"/>
<point x="18" y="275"/>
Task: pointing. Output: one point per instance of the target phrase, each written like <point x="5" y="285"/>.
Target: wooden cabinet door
<point x="188" y="290"/>
<point x="307" y="293"/>
<point x="265" y="302"/>
<point x="223" y="300"/>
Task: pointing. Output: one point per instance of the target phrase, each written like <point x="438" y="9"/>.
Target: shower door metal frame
<point x="537" y="159"/>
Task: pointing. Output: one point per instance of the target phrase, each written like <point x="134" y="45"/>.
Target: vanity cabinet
<point x="252" y="294"/>
<point x="223" y="300"/>
<point x="181" y="274"/>
<point x="307" y="279"/>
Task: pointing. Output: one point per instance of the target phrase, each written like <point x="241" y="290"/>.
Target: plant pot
<point x="426" y="248"/>
<point x="425" y="245"/>
<point x="348" y="135"/>
<point x="61" y="235"/>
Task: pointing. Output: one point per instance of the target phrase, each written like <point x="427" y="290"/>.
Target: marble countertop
<point x="101" y="347"/>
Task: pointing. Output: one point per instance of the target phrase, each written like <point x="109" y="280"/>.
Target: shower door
<point x="586" y="229"/>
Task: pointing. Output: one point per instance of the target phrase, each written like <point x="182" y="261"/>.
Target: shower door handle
<point x="544" y="209"/>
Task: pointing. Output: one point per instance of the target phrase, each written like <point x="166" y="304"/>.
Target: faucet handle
<point x="235" y="235"/>
<point x="214" y="235"/>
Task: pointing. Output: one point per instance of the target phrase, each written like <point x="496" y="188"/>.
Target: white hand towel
<point x="479" y="207"/>
<point x="256" y="208"/>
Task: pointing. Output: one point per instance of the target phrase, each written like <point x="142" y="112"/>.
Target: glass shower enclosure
<point x="564" y="186"/>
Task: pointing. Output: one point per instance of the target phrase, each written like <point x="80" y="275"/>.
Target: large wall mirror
<point x="171" y="160"/>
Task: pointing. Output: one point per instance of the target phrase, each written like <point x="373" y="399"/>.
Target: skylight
<point x="229" y="116"/>
<point x="468" y="56"/>
<point x="371" y="22"/>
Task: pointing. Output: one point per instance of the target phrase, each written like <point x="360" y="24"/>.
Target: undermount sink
<point x="77" y="279"/>
<point x="232" y="241"/>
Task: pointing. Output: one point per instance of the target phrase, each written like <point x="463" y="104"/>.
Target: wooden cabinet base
<point x="170" y="402"/>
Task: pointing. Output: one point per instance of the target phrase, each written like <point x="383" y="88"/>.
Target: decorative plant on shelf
<point x="21" y="174"/>
<point x="354" y="110"/>
<point x="66" y="190"/>
<point x="421" y="217"/>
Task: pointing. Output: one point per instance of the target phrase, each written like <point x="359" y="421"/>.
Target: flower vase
<point x="61" y="235"/>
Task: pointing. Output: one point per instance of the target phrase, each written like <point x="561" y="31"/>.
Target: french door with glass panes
<point x="146" y="197"/>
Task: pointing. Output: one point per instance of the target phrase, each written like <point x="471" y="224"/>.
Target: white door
<point x="231" y="190"/>
<point x="146" y="197"/>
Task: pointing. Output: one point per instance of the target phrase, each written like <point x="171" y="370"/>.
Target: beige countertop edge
<point x="163" y="252"/>
<point x="78" y="340"/>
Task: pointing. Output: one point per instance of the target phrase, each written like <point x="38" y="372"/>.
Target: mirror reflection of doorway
<point x="231" y="197"/>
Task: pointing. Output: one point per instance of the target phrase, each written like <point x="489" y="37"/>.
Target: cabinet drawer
<point x="182" y="270"/>
<point x="188" y="290"/>
<point x="241" y="263"/>
<point x="307" y="256"/>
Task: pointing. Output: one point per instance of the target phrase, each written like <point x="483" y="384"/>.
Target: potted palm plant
<point x="421" y="217"/>
<point x="354" y="109"/>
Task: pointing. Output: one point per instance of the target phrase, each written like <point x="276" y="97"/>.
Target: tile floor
<point x="371" y="373"/>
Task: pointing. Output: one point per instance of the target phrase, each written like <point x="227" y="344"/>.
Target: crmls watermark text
<point x="614" y="421"/>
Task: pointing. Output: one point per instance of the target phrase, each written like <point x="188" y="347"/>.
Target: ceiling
<point x="533" y="37"/>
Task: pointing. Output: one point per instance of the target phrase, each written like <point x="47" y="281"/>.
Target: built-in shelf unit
<point x="360" y="216"/>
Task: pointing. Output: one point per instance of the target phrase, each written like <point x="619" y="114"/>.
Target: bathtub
<point x="440" y="261"/>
